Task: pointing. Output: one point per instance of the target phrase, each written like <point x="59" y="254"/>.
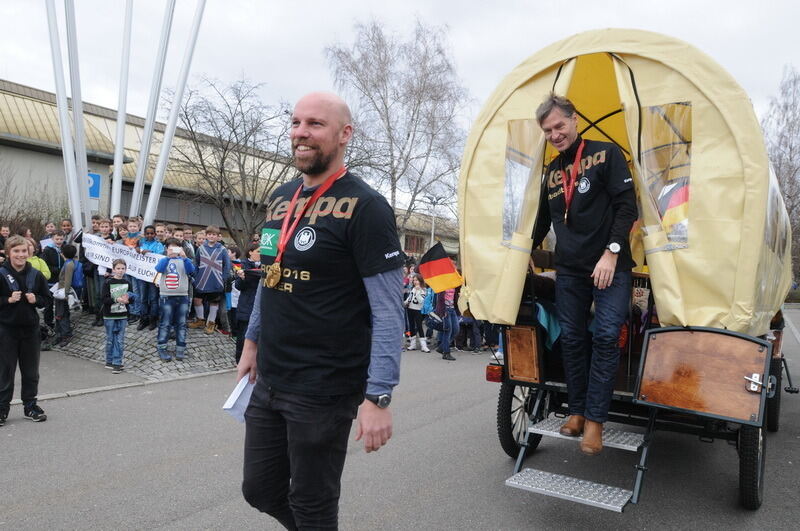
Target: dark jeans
<point x="241" y="330"/>
<point x="99" y="281"/>
<point x="19" y="347"/>
<point x="148" y="303"/>
<point x="449" y="329"/>
<point x="49" y="315"/>
<point x="590" y="375"/>
<point x="63" y="325"/>
<point x="472" y="331"/>
<point x="294" y="452"/>
<point x="491" y="334"/>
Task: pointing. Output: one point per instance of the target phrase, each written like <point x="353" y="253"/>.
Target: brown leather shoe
<point x="592" y="441"/>
<point x="573" y="427"/>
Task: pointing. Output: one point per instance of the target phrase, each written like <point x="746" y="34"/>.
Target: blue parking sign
<point x="93" y="182"/>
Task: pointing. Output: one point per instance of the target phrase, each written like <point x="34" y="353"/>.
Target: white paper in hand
<point x="240" y="398"/>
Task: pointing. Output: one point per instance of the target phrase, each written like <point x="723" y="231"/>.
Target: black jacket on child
<point x="247" y="290"/>
<point x="21" y="317"/>
<point x="112" y="309"/>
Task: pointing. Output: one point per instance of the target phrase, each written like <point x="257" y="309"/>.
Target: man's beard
<point x="317" y="165"/>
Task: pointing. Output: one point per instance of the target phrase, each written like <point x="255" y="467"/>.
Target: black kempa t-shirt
<point x="602" y="211"/>
<point x="315" y="325"/>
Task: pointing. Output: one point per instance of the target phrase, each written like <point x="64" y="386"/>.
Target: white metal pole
<point x="67" y="150"/>
<point x="81" y="164"/>
<point x="119" y="143"/>
<point x="169" y="132"/>
<point x="152" y="106"/>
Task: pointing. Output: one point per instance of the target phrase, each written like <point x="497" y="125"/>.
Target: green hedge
<point x="793" y="296"/>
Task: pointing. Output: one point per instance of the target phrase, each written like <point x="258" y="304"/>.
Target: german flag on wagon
<point x="438" y="269"/>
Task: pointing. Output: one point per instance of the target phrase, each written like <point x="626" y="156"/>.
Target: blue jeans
<point x="136" y="304"/>
<point x="115" y="339"/>
<point x="591" y="373"/>
<point x="449" y="329"/>
<point x="173" y="313"/>
<point x="148" y="300"/>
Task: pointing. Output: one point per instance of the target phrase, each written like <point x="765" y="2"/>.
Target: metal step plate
<point x="572" y="489"/>
<point x="612" y="437"/>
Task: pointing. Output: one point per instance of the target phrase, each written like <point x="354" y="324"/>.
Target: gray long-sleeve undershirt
<point x="384" y="294"/>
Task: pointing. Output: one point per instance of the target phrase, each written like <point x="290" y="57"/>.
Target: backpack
<point x="30" y="279"/>
<point x="429" y="303"/>
<point x="77" y="275"/>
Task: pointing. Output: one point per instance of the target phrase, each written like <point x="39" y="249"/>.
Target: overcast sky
<point x="281" y="43"/>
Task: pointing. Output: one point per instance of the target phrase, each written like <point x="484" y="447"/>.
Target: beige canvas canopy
<point x="713" y="229"/>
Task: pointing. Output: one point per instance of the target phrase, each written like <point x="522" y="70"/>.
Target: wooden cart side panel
<point x="703" y="372"/>
<point x="522" y="354"/>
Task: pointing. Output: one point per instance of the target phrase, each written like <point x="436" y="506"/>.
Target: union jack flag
<point x="210" y="265"/>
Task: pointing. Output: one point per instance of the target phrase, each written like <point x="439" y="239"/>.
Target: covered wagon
<point x="701" y="349"/>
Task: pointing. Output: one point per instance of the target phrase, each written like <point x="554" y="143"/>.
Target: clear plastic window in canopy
<point x="666" y="157"/>
<point x="521" y="158"/>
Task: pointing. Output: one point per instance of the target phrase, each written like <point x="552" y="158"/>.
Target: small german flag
<point x="438" y="269"/>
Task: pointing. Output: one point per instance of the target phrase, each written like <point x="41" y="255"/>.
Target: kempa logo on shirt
<point x="584" y="185"/>
<point x="391" y="255"/>
<point x="341" y="208"/>
<point x="556" y="177"/>
<point x="304" y="240"/>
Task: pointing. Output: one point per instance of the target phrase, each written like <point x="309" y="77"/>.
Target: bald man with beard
<point x="322" y="345"/>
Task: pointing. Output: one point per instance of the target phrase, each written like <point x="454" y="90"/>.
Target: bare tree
<point x="408" y="99"/>
<point x="24" y="205"/>
<point x="782" y="134"/>
<point x="238" y="150"/>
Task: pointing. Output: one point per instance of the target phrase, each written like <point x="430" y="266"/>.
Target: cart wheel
<point x="514" y="410"/>
<point x="774" y="403"/>
<point x="752" y="451"/>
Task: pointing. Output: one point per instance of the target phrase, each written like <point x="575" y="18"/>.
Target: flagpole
<point x="152" y="106"/>
<point x="67" y="150"/>
<point x="81" y="164"/>
<point x="169" y="132"/>
<point x="119" y="143"/>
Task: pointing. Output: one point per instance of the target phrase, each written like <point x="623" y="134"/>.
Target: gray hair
<point x="553" y="101"/>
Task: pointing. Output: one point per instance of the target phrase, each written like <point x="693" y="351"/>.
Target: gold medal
<point x="273" y="275"/>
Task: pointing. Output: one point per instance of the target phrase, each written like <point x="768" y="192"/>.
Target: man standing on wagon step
<point x="325" y="326"/>
<point x="589" y="198"/>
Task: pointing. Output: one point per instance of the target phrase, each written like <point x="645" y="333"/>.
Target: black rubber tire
<point x="752" y="457"/>
<point x="514" y="408"/>
<point x="774" y="403"/>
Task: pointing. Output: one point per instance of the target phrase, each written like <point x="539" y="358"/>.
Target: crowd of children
<point x="430" y="315"/>
<point x="198" y="275"/>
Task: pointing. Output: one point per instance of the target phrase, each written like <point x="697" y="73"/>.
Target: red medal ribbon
<point x="569" y="179"/>
<point x="285" y="234"/>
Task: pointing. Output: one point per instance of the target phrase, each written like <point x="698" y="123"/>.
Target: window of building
<point x="414" y="244"/>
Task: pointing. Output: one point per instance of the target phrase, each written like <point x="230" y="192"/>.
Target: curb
<point x="91" y="390"/>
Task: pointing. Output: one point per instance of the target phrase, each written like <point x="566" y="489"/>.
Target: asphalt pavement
<point x="165" y="456"/>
